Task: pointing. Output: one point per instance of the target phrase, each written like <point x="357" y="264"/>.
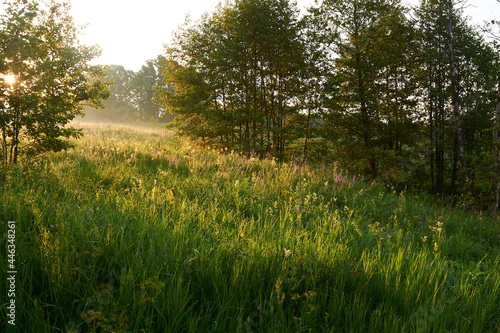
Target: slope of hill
<point x="134" y="230"/>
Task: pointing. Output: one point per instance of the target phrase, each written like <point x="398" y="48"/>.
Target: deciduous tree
<point x="50" y="75"/>
<point x="370" y="86"/>
<point x="236" y="76"/>
<point x="459" y="92"/>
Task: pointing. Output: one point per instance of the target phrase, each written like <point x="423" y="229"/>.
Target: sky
<point x="131" y="32"/>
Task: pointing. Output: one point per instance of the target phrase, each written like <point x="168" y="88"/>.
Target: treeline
<point x="409" y="96"/>
<point x="132" y="95"/>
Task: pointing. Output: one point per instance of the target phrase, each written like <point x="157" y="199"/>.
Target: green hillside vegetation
<point x="134" y="230"/>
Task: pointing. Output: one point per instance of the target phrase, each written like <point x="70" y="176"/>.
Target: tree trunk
<point x="496" y="154"/>
<point x="456" y="108"/>
<point x="454" y="170"/>
<point x="431" y="121"/>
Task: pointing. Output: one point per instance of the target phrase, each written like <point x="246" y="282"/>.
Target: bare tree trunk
<point x="454" y="169"/>
<point x="496" y="154"/>
<point x="3" y="157"/>
<point x="431" y="120"/>
<point x="456" y="108"/>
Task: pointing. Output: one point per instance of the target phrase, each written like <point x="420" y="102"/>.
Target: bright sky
<point x="131" y="32"/>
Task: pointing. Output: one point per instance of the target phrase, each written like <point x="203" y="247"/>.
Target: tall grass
<point x="136" y="231"/>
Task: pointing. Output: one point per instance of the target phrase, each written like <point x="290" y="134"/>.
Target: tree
<point x="143" y="90"/>
<point x="133" y="95"/>
<point x="456" y="103"/>
<point x="369" y="97"/>
<point x="496" y="137"/>
<point x="236" y="76"/>
<point x="50" y="78"/>
<point x="459" y="107"/>
<point x="496" y="154"/>
<point x="118" y="106"/>
<point x="496" y="141"/>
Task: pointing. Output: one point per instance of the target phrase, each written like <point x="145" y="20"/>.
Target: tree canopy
<point x="132" y="94"/>
<point x="389" y="95"/>
<point x="45" y="78"/>
<point x="236" y="77"/>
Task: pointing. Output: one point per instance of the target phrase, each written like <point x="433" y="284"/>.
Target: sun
<point x="10" y="79"/>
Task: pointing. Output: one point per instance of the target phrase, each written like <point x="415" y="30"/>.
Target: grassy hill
<point x="136" y="231"/>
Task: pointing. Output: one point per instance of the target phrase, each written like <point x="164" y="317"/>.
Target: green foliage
<point x="366" y="82"/>
<point x="132" y="95"/>
<point x="372" y="88"/>
<point x="236" y="75"/>
<point x="118" y="106"/>
<point x="475" y="59"/>
<point x="144" y="85"/>
<point x="133" y="230"/>
<point x="50" y="77"/>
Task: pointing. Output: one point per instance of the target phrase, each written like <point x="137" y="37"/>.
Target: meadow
<point x="135" y="230"/>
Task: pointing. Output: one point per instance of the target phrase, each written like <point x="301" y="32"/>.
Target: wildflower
<point x="278" y="284"/>
<point x="309" y="295"/>
<point x="424" y="239"/>
<point x="435" y="247"/>
<point x="287" y="253"/>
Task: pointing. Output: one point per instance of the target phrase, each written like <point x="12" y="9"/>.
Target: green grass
<point x="134" y="230"/>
